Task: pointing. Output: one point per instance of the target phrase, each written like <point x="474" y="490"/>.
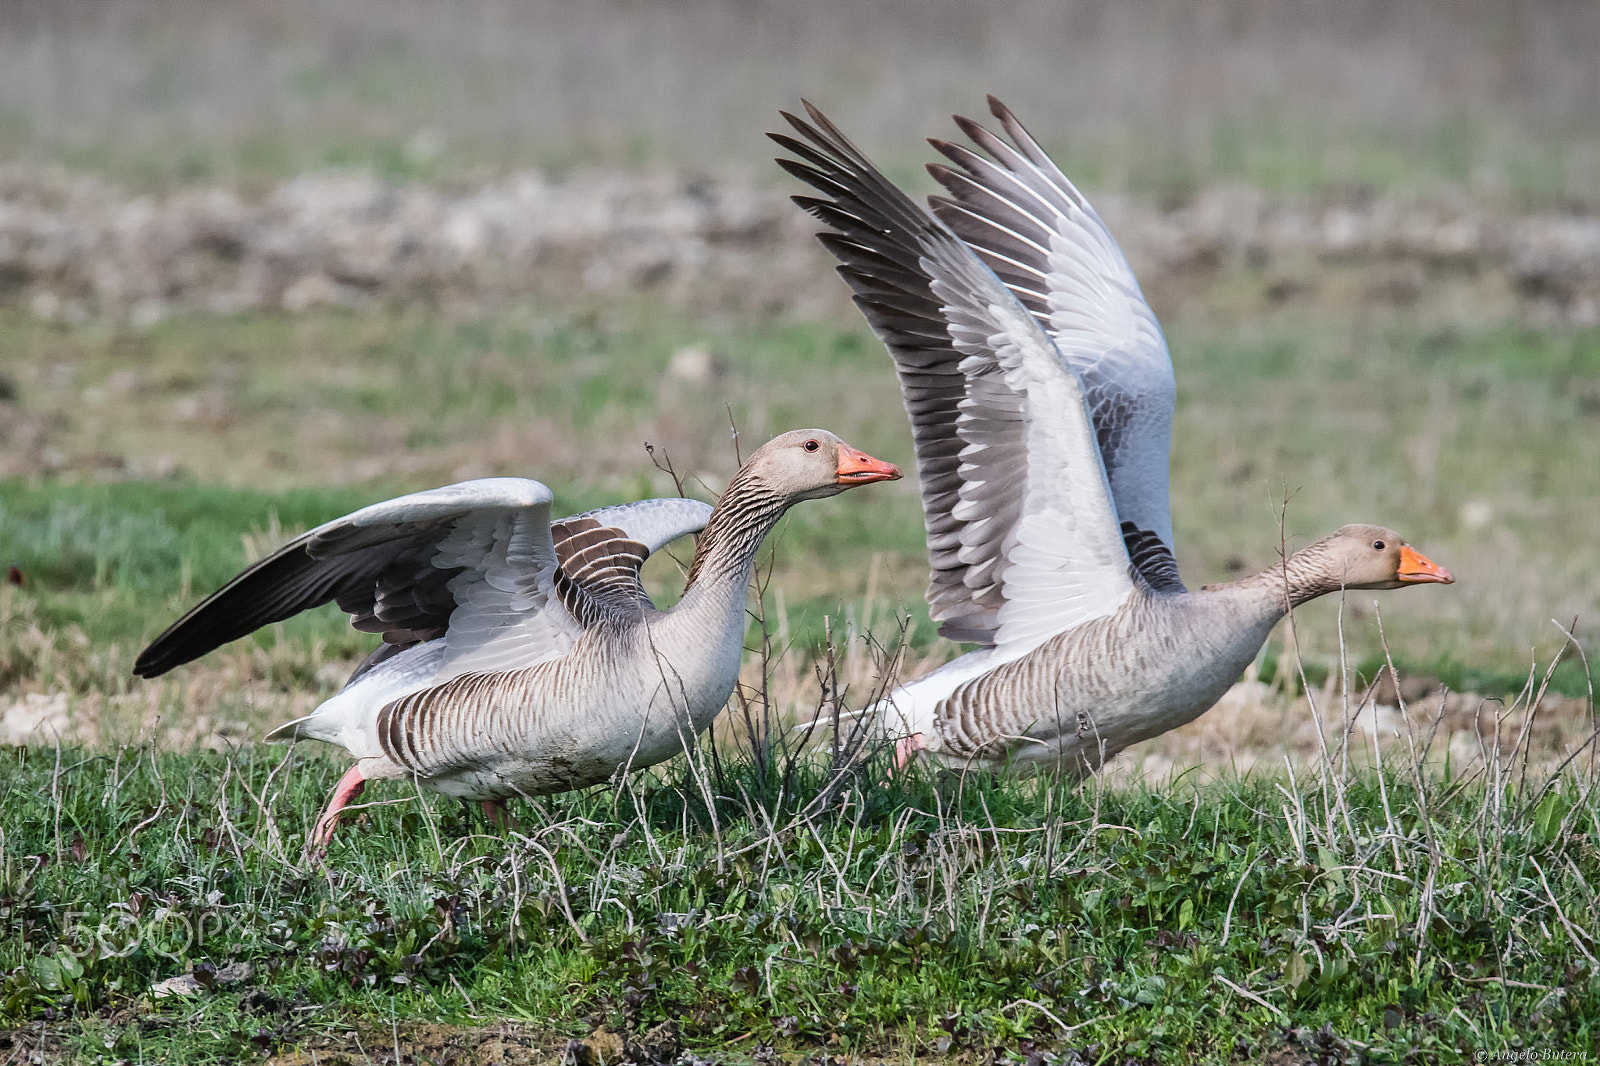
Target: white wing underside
<point x="1122" y="360"/>
<point x="498" y="534"/>
<point x="1065" y="562"/>
<point x="1046" y="242"/>
<point x="507" y="615"/>
<point x="1024" y="538"/>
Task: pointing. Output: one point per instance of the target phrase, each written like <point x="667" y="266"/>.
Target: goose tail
<point x="887" y="719"/>
<point x="827" y="721"/>
<point x="290" y="730"/>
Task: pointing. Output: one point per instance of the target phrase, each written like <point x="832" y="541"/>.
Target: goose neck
<point x="1299" y="578"/>
<point x="726" y="550"/>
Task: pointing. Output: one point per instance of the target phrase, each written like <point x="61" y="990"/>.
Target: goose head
<point x="1372" y="557"/>
<point x="811" y="464"/>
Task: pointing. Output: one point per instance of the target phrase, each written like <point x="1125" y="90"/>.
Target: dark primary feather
<point x="371" y="571"/>
<point x="881" y="238"/>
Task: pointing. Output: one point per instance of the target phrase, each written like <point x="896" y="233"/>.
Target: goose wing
<point x="472" y="562"/>
<point x="599" y="554"/>
<point x="1023" y="536"/>
<point x="1028" y="224"/>
<point x="401" y="568"/>
<point x="592" y="574"/>
<point x="653" y="523"/>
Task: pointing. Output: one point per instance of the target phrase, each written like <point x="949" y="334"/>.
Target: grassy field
<point x="149" y="464"/>
<point x="1411" y="890"/>
<point x="1361" y="917"/>
<point x="1328" y="867"/>
<point x="1334" y="865"/>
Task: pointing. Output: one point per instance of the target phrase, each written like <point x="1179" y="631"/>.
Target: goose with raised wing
<point x="521" y="658"/>
<point x="1041" y="398"/>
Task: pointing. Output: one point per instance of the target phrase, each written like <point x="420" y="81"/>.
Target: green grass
<point x="1375" y="919"/>
<point x="1382" y="917"/>
<point x="1477" y="444"/>
<point x="109" y="566"/>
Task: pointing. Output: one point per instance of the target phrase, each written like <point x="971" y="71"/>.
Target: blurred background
<point x="1290" y="94"/>
<point x="263" y="261"/>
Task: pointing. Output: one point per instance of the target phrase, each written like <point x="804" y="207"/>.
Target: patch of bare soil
<point x="511" y="1044"/>
<point x="73" y="246"/>
<point x="1258" y="727"/>
<point x="445" y="1045"/>
<point x="36" y="1042"/>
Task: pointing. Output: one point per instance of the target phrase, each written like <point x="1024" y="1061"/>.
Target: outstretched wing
<point x="879" y="259"/>
<point x="1023" y="536"/>
<point x="472" y="562"/>
<point x="396" y="567"/>
<point x="1040" y="236"/>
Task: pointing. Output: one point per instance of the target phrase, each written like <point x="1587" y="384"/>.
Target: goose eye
<point x="1378" y="544"/>
<point x="811" y="445"/>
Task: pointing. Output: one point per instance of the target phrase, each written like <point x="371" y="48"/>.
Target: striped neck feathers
<point x="1308" y="573"/>
<point x="743" y="517"/>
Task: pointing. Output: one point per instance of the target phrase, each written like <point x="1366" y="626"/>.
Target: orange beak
<point x="859" y="468"/>
<point x="1418" y="569"/>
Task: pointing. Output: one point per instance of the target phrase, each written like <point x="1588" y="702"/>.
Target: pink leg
<point x="348" y="788"/>
<point x="907" y="750"/>
<point x="499" y="817"/>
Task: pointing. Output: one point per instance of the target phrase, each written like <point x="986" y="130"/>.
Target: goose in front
<point x="1041" y="397"/>
<point x="521" y="658"/>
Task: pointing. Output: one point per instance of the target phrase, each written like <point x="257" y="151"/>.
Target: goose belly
<point x="1086" y="694"/>
<point x="564" y="724"/>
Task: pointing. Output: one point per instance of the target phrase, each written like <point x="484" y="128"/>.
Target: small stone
<point x="315" y="290"/>
<point x="697" y="365"/>
<point x="1476" y="513"/>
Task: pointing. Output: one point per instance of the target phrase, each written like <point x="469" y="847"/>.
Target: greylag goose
<point x="1041" y="397"/>
<point x="521" y="658"/>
